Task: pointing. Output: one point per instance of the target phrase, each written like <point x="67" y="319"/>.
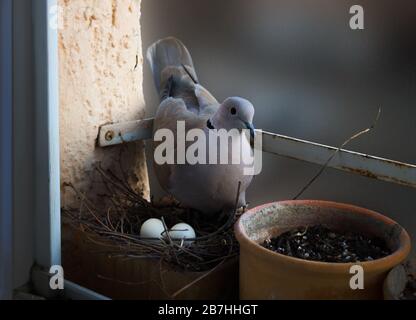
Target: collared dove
<point x="209" y="188"/>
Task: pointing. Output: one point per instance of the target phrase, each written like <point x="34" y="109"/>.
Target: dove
<point x="208" y="188"/>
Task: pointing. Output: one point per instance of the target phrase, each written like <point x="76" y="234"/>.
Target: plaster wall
<point x="100" y="82"/>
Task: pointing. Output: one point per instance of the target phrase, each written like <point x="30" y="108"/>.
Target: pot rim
<point x="379" y="264"/>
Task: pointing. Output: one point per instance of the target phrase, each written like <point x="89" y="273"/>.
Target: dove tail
<point x="169" y="58"/>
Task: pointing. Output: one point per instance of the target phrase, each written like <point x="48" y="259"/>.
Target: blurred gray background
<point x="309" y="76"/>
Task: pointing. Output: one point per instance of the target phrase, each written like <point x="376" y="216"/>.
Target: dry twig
<point x="355" y="136"/>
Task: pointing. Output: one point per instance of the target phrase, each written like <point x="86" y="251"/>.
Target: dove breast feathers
<point x="207" y="187"/>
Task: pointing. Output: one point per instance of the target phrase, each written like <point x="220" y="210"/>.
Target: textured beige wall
<point x="100" y="82"/>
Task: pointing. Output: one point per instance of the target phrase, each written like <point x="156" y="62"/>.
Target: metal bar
<point x="6" y="150"/>
<point x="47" y="206"/>
<point x="350" y="161"/>
<point x="118" y="133"/>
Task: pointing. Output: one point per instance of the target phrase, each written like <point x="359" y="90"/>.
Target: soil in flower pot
<point x="319" y="243"/>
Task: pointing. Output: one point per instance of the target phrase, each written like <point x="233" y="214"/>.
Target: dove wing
<point x="205" y="100"/>
<point x="169" y="113"/>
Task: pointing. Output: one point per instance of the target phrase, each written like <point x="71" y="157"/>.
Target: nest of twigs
<point x="116" y="221"/>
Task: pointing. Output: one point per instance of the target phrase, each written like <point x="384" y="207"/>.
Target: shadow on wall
<point x="309" y="76"/>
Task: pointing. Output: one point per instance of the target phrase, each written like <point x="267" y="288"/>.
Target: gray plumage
<point x="208" y="188"/>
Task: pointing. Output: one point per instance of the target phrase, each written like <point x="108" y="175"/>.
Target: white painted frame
<point x="47" y="179"/>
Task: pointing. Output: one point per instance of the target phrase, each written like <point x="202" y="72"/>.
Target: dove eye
<point x="233" y="111"/>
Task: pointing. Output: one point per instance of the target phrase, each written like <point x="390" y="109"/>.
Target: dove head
<point x="235" y="113"/>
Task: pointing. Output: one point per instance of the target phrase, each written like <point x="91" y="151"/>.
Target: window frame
<point x="33" y="229"/>
<point x="6" y="147"/>
<point x="47" y="175"/>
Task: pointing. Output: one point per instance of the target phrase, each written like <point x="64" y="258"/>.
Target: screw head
<point x="109" y="135"/>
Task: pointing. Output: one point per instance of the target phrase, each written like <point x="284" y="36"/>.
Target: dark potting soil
<point x="318" y="243"/>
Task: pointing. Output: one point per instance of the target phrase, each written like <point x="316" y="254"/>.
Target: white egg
<point x="152" y="228"/>
<point x="182" y="231"/>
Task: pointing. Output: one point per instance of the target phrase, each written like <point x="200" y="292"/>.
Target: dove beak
<point x="252" y="129"/>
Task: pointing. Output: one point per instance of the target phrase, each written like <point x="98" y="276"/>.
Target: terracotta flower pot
<point x="268" y="275"/>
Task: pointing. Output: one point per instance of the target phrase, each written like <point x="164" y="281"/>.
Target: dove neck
<point x="215" y="122"/>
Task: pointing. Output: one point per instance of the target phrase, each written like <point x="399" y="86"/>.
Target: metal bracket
<point x="118" y="133"/>
<point x="350" y="161"/>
